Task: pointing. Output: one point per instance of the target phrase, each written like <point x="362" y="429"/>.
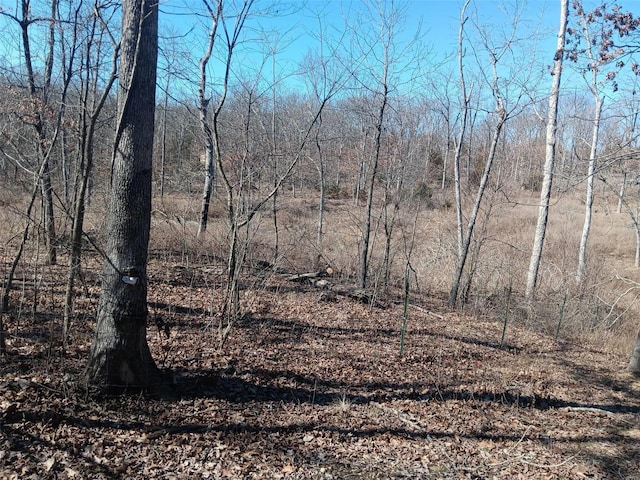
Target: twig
<point x="519" y="441"/>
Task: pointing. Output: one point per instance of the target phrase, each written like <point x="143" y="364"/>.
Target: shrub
<point x="336" y="192"/>
<point x="423" y="193"/>
<point x="533" y="182"/>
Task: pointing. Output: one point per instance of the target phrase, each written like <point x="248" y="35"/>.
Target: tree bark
<point x="550" y="155"/>
<point x="211" y="147"/>
<point x="366" y="229"/>
<point x="466" y="98"/>
<point x="622" y="189"/>
<point x="120" y="355"/>
<point x="582" y="251"/>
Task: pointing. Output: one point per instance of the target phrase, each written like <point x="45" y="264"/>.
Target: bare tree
<point x="550" y="154"/>
<point x="39" y="120"/>
<point x="319" y="159"/>
<point x="465" y="97"/>
<point x="38" y="106"/>
<point x="401" y="149"/>
<point x="324" y="75"/>
<point x="275" y="154"/>
<point x="210" y="146"/>
<point x="593" y="43"/>
<point x="591" y="77"/>
<point x="120" y="355"/>
<point x="366" y="229"/>
<point x="35" y="111"/>
<point x="241" y="207"/>
<point x="378" y="76"/>
<point x="501" y="115"/>
<point x="170" y="69"/>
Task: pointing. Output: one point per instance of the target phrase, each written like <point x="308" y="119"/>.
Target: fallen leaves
<point x="318" y="390"/>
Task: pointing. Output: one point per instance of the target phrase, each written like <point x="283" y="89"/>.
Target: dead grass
<point x="499" y="257"/>
<point x="604" y="308"/>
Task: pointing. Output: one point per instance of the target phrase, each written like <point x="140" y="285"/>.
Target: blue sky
<point x="439" y="19"/>
<point x="295" y="28"/>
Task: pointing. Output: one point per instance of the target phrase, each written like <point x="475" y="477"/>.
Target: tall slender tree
<point x="550" y="153"/>
<point x="211" y="147"/>
<point x="37" y="106"/>
<point x="120" y="355"/>
<point x="465" y="97"/>
<point x="501" y="113"/>
<point x="383" y="58"/>
<point x="598" y="58"/>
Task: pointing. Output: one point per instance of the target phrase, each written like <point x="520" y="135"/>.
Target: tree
<point x="499" y="91"/>
<point x="590" y="74"/>
<point x="320" y="71"/>
<point x="550" y="153"/>
<point x="401" y="152"/>
<point x="465" y="97"/>
<point x="170" y="65"/>
<point x="383" y="61"/>
<point x="211" y="148"/>
<point x="34" y="111"/>
<point x="120" y="355"/>
<point x="39" y="106"/>
<point x="599" y="52"/>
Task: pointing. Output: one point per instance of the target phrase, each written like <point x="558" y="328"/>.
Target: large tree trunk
<point x="120" y="355"/>
<point x="550" y="156"/>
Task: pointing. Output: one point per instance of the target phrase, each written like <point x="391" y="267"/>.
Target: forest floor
<point x="311" y="385"/>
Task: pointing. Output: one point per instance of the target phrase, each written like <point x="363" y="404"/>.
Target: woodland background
<point x="305" y="237"/>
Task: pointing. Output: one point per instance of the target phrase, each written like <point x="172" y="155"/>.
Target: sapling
<point x="406" y="308"/>
<point x="562" y="311"/>
<point x="506" y="317"/>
